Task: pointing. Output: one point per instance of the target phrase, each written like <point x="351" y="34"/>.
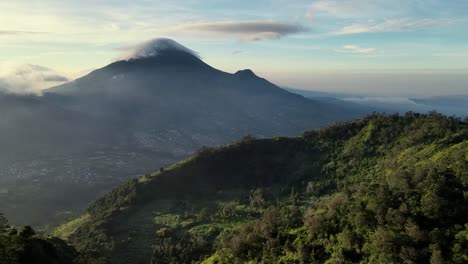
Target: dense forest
<point x="382" y="189"/>
<point x="23" y="245"/>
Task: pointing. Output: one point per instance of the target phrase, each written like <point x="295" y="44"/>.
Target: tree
<point x="436" y="255"/>
<point x="203" y="215"/>
<point x="3" y="220"/>
<point x="229" y="209"/>
<point x="256" y="199"/>
<point x="27" y="231"/>
<point x="460" y="247"/>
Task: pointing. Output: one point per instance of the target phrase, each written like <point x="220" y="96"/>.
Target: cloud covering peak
<point x="152" y="48"/>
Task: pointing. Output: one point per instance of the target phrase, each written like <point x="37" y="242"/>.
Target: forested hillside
<point x="383" y="189"/>
<point x="24" y="246"/>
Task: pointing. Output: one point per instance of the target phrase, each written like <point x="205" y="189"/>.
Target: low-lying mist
<point x="28" y="78"/>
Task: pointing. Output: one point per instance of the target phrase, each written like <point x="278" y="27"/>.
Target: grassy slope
<point x="187" y="209"/>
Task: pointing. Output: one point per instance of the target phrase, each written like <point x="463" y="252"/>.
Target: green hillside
<point x="25" y="246"/>
<point x="383" y="189"/>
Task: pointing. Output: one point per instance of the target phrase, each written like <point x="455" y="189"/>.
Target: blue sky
<point x="382" y="47"/>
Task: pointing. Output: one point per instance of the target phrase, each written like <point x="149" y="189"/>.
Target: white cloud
<point x="246" y="31"/>
<point x="386" y="9"/>
<point x="355" y="49"/>
<point x="84" y="22"/>
<point x="352" y="8"/>
<point x="393" y="25"/>
<point x="152" y="48"/>
<point x="28" y="78"/>
<point x="332" y="7"/>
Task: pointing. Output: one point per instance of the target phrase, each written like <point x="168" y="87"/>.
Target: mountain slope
<point x="373" y="190"/>
<point x="28" y="124"/>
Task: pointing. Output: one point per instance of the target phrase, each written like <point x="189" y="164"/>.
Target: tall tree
<point x="3" y="220"/>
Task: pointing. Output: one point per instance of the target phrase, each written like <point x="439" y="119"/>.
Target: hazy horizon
<point x="381" y="48"/>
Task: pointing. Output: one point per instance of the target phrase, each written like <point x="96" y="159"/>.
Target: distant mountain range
<point x="78" y="140"/>
<point x="449" y="105"/>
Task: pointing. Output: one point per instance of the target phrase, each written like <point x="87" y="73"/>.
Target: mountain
<point x="383" y="189"/>
<point x="157" y="105"/>
<point x="172" y="96"/>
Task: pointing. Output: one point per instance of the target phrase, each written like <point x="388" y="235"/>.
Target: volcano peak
<point x="154" y="48"/>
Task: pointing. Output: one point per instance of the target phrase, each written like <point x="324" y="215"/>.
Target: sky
<point x="377" y="47"/>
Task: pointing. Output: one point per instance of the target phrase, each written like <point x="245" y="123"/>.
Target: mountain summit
<point x="155" y="47"/>
<point x="161" y="53"/>
<point x="247" y="73"/>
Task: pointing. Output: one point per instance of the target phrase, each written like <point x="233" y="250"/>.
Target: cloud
<point x="246" y="31"/>
<point x="340" y="9"/>
<point x="351" y="8"/>
<point x="28" y="78"/>
<point x="152" y="48"/>
<point x="393" y="25"/>
<point x="370" y="9"/>
<point x="355" y="49"/>
<point x="55" y="78"/>
<point x="373" y="16"/>
<point x="385" y="9"/>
